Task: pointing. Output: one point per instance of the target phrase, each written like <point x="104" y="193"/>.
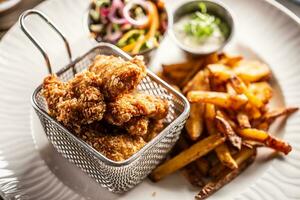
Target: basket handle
<point x="35" y="42"/>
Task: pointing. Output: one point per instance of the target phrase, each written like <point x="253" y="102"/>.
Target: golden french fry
<point x="241" y="88"/>
<point x="223" y="178"/>
<point x="229" y="60"/>
<point x="201" y="163"/>
<point x="252" y="111"/>
<point x="262" y="90"/>
<point x="225" y="157"/>
<point x="222" y="150"/>
<point x="199" y="82"/>
<point x="194" y="124"/>
<point x="252" y="71"/>
<point x="274" y="114"/>
<point x="244" y="154"/>
<point x="230" y="89"/>
<point x="184" y="66"/>
<point x="187" y="156"/>
<point x="268" y="140"/>
<point x="221" y="99"/>
<point x="243" y="120"/>
<point x="224" y="127"/>
<point x="220" y="72"/>
<point x="254" y="134"/>
<point x="224" y="115"/>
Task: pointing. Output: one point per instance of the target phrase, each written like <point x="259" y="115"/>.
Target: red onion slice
<point x="129" y="5"/>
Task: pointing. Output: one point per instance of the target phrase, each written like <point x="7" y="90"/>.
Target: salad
<point x="133" y="25"/>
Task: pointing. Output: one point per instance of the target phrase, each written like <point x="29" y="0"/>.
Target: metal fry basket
<point x="116" y="176"/>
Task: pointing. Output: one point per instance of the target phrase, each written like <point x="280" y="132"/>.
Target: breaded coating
<point x="132" y="105"/>
<point x="155" y="127"/>
<point x="137" y="126"/>
<point x="54" y="91"/>
<point x="118" y="76"/>
<point x="117" y="147"/>
<point x="76" y="102"/>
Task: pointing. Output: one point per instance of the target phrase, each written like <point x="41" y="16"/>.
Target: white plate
<point x="31" y="169"/>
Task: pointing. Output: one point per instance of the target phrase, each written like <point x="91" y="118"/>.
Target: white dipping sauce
<point x="207" y="44"/>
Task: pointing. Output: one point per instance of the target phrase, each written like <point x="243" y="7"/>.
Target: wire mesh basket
<point x="116" y="176"/>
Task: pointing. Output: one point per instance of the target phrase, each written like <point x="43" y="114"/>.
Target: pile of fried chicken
<point x="102" y="106"/>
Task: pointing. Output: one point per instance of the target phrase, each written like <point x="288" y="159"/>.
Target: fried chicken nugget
<point x="137" y="126"/>
<point x="117" y="147"/>
<point x="127" y="106"/>
<point x="118" y="76"/>
<point x="76" y="102"/>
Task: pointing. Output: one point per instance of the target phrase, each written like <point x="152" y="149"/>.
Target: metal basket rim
<point x="90" y="149"/>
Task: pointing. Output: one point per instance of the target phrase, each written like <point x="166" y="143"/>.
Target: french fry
<point x="224" y="127"/>
<point x="244" y="154"/>
<point x="262" y="90"/>
<point x="230" y="89"/>
<point x="193" y="175"/>
<point x="269" y="117"/>
<point x="229" y="60"/>
<point x="187" y="156"/>
<point x="272" y="115"/>
<point x="220" y="72"/>
<point x="222" y="150"/>
<point x="221" y="99"/>
<point x="243" y="120"/>
<point x="252" y="71"/>
<point x="241" y="88"/>
<point x="194" y="124"/>
<point x="224" y="115"/>
<point x="201" y="163"/>
<point x="252" y="111"/>
<point x="184" y="66"/>
<point x="199" y="82"/>
<point x="268" y="140"/>
<point x="225" y="177"/>
<point x="225" y="157"/>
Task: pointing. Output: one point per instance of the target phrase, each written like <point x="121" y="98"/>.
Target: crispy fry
<point x="230" y="89"/>
<point x="272" y="115"/>
<point x="187" y="156"/>
<point x="262" y="91"/>
<point x="218" y="98"/>
<point x="268" y="140"/>
<point x="229" y="60"/>
<point x="194" y="124"/>
<point x="203" y="165"/>
<point x="199" y="82"/>
<point x="224" y="115"/>
<point x="220" y="72"/>
<point x="184" y="66"/>
<point x="244" y="154"/>
<point x="252" y="111"/>
<point x="225" y="177"/>
<point x="252" y="71"/>
<point x="243" y="120"/>
<point x="224" y="127"/>
<point x="241" y="88"/>
<point x="193" y="175"/>
<point x="222" y="150"/>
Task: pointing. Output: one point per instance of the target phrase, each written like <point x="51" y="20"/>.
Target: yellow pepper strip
<point x="154" y="21"/>
<point x="127" y="35"/>
<point x="128" y="47"/>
